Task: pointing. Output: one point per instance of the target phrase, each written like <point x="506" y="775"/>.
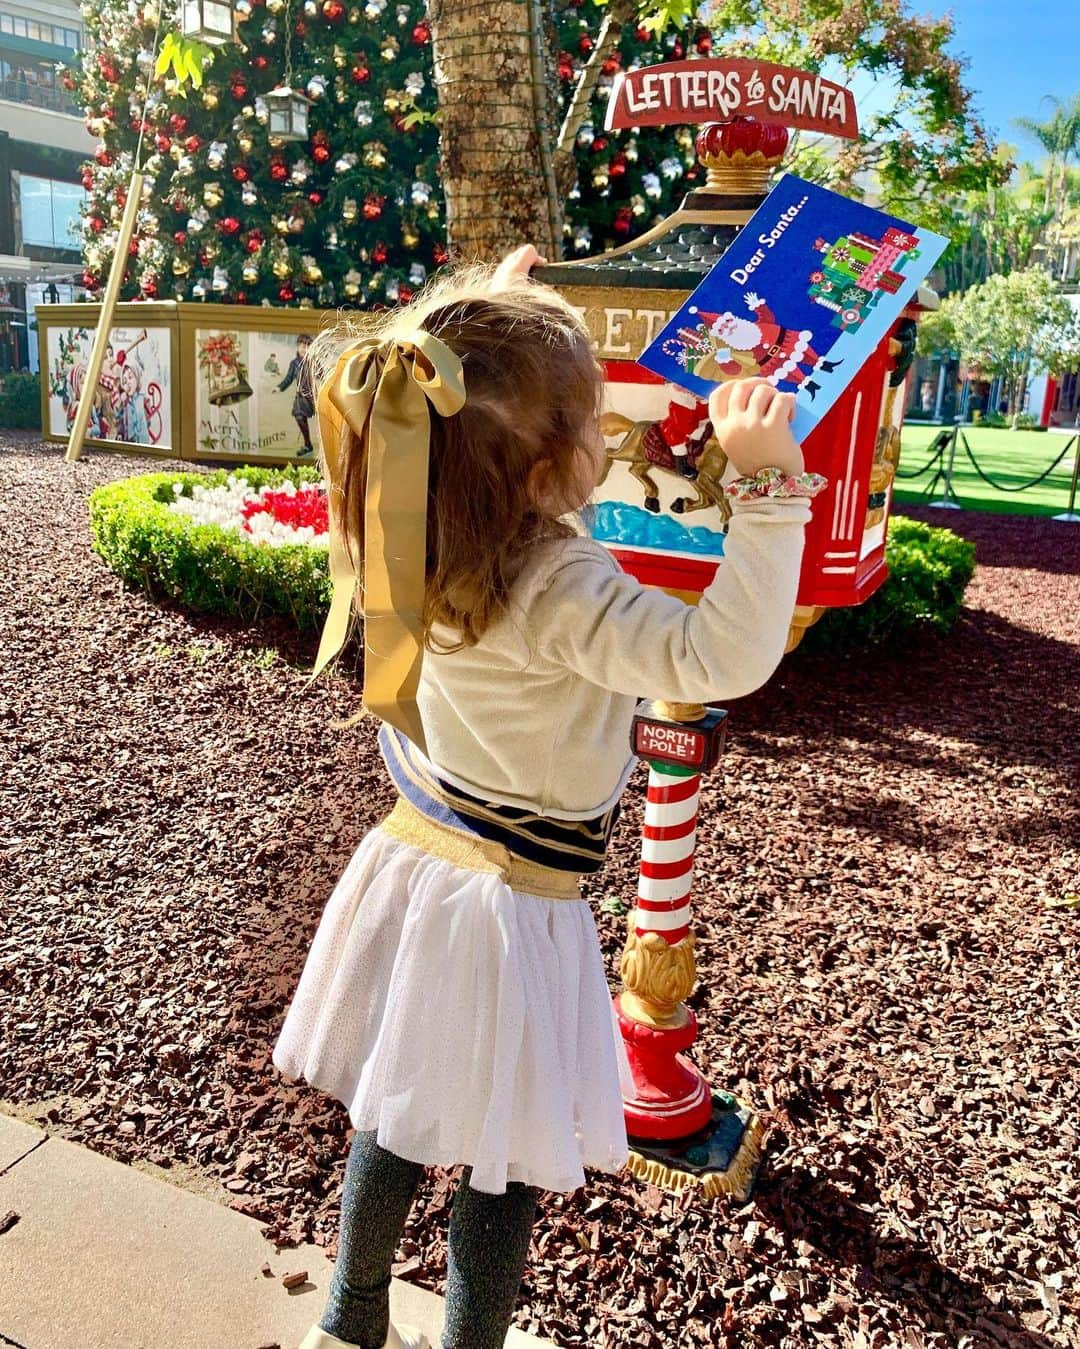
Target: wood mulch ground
<point x="887" y="952"/>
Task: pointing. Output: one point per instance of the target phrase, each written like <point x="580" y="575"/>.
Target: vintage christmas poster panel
<point x="254" y="396"/>
<point x="662" y="490"/>
<point x="803" y="296"/>
<point x="132" y="404"/>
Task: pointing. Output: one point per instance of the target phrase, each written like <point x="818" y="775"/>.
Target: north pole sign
<point x="717" y="90"/>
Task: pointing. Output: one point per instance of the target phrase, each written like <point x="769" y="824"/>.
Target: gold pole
<point x="105" y="318"/>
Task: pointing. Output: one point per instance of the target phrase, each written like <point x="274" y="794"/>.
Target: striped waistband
<point x="573" y="846"/>
<point x="462" y="849"/>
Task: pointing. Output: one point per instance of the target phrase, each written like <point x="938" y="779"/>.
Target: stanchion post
<point x="947" y="501"/>
<point x="105" y="318"/>
<point x="1070" y="516"/>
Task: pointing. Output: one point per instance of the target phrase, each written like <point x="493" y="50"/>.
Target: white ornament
<point x="215" y="154"/>
<point x="582" y="238"/>
<point x="414" y="84"/>
<point x="198" y="291"/>
<point x="221" y="280"/>
<point x="651" y="184"/>
<point x="393" y="288"/>
<point x="671" y="168"/>
<point x="362" y="112"/>
<point x="417" y="274"/>
<point x="316" y="86"/>
<point x="586" y="134"/>
<point x="420" y="193"/>
<point x="301" y="171"/>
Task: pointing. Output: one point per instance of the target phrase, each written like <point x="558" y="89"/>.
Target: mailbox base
<point x="722" y="1158"/>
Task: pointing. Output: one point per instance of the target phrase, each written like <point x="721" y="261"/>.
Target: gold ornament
<point x="312" y="272"/>
<point x="244" y="143"/>
<point x="341" y="58"/>
<point x="181" y="266"/>
<point x="409" y="237"/>
<point x="250" y="273"/>
<point x="354" y="16"/>
<point x="275" y="6"/>
<point x="212" y="195"/>
<point x="391" y="103"/>
<point x="349" y="210"/>
<point x="433" y="211"/>
<point x="375" y="154"/>
<point x="282" y="268"/>
<point x="281" y="224"/>
<point x="210" y="99"/>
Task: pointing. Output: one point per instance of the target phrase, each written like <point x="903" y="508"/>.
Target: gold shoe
<point x="400" y="1337"/>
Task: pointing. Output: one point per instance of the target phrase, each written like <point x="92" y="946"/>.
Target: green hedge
<point x="204" y="567"/>
<point x="20" y="401"/>
<point x="929" y="570"/>
<point x="214" y="570"/>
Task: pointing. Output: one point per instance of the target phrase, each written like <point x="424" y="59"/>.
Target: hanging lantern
<point x="209" y="21"/>
<point x="288" y="113"/>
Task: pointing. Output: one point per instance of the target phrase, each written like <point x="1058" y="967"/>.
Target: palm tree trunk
<point x="498" y="123"/>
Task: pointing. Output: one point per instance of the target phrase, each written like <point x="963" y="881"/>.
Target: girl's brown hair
<point x="532" y="397"/>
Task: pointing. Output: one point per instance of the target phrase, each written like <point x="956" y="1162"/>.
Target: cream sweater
<point x="537" y="714"/>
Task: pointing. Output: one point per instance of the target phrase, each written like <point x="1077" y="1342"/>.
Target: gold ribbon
<point x="380" y="390"/>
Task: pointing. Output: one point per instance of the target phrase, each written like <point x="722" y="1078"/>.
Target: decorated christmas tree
<point x="351" y="214"/>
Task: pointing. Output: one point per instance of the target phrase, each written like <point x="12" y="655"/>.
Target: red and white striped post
<point x="671" y="1097"/>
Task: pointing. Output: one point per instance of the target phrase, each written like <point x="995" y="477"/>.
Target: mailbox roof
<point x="674" y="256"/>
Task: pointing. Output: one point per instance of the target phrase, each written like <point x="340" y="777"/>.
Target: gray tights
<point x="488" y="1243"/>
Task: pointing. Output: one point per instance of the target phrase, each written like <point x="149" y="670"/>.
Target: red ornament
<point x="238" y="88"/>
<point x="617" y="167"/>
<point x="133" y="248"/>
<point x="740" y="134"/>
<point x="301" y="28"/>
<point x="149" y="286"/>
<point x="178" y="123"/>
<point x="254" y="241"/>
<point x="373" y="206"/>
<point x="241" y="173"/>
<point x="380" y="253"/>
<point x="611" y="65"/>
<point x="286" y="293"/>
<point x="360" y="74"/>
<point x="703" y="44"/>
<point x="599" y="145"/>
<point x="315" y="197"/>
<point x="440" y="255"/>
<point x="230" y="225"/>
<point x="405" y="294"/>
<point x="88" y="179"/>
<point x="320" y="154"/>
<point x="191" y="145"/>
<point x="163" y="143"/>
<point x="260" y="62"/>
<point x="90" y="281"/>
<point x="279" y="170"/>
<point x="109" y="72"/>
<point x="241" y="297"/>
<point x="333" y="10"/>
<point x="585" y="44"/>
<point x="180" y="236"/>
<point x="566" y="66"/>
<point x="623" y="219"/>
<point x="642" y="33"/>
<point x="678" y="51"/>
<point x="103" y="157"/>
<point x="421" y="35"/>
<point x="97" y="224"/>
<point x="68" y="81"/>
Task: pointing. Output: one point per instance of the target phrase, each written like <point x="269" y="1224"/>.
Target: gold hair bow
<point x="381" y="389"/>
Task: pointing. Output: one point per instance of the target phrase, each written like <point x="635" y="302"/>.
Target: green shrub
<point x="928" y="572"/>
<point x="20" y="401"/>
<point x="207" y="568"/>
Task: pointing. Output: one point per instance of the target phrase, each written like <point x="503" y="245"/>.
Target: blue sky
<point x="1018" y="50"/>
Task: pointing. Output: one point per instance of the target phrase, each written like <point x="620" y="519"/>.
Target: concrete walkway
<point x="103" y="1255"/>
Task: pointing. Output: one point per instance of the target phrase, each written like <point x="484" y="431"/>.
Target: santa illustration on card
<point x="724" y="346"/>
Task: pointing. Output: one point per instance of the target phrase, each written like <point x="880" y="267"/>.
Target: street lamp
<point x="209" y="21"/>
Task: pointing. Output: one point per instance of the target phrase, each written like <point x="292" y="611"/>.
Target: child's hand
<point x="752" y="421"/>
<point x="518" y="263"/>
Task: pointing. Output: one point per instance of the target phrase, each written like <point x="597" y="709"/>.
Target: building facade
<point x="43" y="145"/>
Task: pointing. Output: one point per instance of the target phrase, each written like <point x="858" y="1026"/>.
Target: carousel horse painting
<point x="644" y="449"/>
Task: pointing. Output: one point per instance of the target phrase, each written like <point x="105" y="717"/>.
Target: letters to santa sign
<point x="717" y="90"/>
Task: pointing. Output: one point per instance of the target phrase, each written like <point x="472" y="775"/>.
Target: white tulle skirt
<point x="464" y="1021"/>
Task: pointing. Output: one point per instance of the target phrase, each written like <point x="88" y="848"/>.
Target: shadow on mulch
<point x="813" y="1209"/>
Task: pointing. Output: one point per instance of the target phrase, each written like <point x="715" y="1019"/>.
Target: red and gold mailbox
<point x="662" y="510"/>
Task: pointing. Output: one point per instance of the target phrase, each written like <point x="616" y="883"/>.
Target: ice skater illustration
<point x="303" y="408"/>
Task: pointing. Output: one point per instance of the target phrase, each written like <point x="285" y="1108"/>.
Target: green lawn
<point x="1008" y="457"/>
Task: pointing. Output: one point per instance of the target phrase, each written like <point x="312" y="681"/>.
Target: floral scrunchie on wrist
<point x="773" y="482"/>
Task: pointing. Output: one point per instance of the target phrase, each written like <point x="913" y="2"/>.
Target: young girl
<point x="454" y="998"/>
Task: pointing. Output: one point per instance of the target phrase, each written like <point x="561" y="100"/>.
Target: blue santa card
<point x="803" y="296"/>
